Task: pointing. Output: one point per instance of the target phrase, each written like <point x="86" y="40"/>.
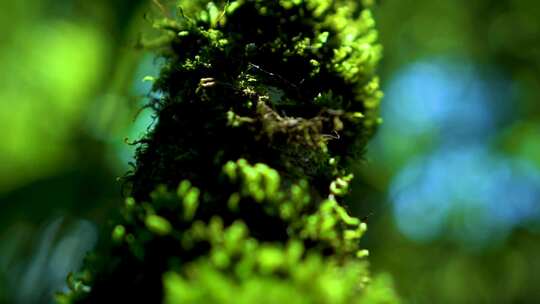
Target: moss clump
<point x="235" y="194"/>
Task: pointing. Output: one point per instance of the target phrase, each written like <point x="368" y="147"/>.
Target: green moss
<point x="236" y="190"/>
<point x="157" y="224"/>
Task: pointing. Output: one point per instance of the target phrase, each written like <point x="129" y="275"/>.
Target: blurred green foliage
<point x="49" y="68"/>
<point x="64" y="106"/>
<point x="498" y="43"/>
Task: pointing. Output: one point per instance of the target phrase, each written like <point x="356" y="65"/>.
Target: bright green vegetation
<point x="236" y="193"/>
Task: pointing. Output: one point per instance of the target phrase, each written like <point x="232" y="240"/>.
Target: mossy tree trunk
<point x="236" y="192"/>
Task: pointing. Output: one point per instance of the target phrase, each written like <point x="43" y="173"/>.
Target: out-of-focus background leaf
<point x="450" y="186"/>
